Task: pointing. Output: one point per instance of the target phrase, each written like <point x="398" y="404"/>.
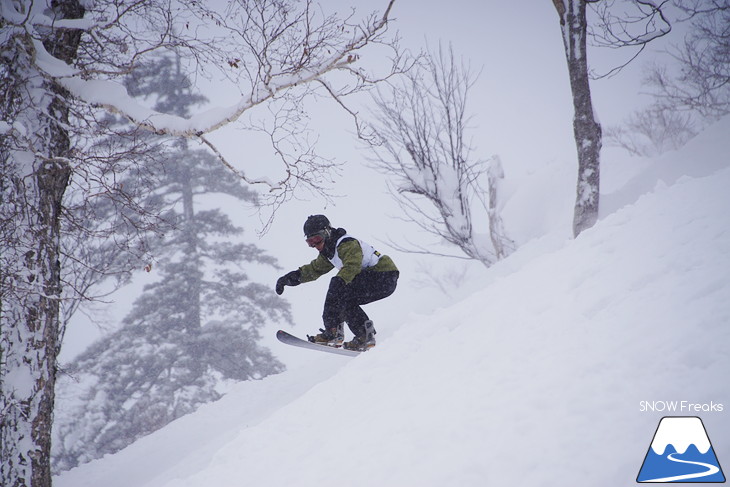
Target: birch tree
<point x="613" y="30"/>
<point x="59" y="62"/>
<point x="586" y="129"/>
<point x="422" y="144"/>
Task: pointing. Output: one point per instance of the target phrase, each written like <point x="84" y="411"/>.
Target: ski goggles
<point x="315" y="240"/>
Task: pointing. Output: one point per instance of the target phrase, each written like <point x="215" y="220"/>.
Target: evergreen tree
<point x="59" y="64"/>
<point x="193" y="330"/>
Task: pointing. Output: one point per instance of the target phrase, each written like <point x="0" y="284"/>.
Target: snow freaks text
<point x="680" y="407"/>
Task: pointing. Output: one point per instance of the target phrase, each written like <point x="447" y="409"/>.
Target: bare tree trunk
<point x="586" y="129"/>
<point x="33" y="185"/>
<point x="32" y="312"/>
<point x="503" y="246"/>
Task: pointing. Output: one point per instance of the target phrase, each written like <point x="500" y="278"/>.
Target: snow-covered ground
<point x="536" y="379"/>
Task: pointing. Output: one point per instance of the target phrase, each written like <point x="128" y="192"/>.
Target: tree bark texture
<point x="586" y="129"/>
<point x="35" y="175"/>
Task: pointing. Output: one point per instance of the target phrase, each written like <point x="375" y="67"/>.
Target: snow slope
<point x="534" y="380"/>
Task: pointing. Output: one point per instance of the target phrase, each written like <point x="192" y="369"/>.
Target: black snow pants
<point x="343" y="301"/>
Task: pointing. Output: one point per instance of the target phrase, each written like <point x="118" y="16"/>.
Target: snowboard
<point x="290" y="339"/>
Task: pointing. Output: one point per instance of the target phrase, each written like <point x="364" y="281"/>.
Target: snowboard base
<point x="290" y="339"/>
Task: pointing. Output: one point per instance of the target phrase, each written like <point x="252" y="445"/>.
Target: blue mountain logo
<point x="680" y="452"/>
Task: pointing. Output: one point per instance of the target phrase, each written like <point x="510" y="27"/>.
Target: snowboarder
<point x="365" y="275"/>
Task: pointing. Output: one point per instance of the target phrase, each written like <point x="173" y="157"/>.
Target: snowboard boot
<point x="365" y="341"/>
<point x="332" y="337"/>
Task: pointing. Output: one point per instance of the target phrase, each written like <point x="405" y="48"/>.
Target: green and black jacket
<point x="348" y="252"/>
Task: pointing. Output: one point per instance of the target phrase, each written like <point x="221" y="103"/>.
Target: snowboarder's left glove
<point x="290" y="279"/>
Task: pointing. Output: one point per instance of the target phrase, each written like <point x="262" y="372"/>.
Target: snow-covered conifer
<point x="60" y="66"/>
<point x="190" y="331"/>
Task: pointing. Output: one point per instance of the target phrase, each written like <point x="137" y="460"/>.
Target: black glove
<point x="289" y="279"/>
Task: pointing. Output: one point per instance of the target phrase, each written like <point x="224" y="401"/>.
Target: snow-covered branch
<point x="268" y="50"/>
<point x="62" y="64"/>
<point x="421" y="142"/>
<point x="276" y="73"/>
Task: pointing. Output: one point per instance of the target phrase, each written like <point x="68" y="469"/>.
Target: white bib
<point x="370" y="256"/>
